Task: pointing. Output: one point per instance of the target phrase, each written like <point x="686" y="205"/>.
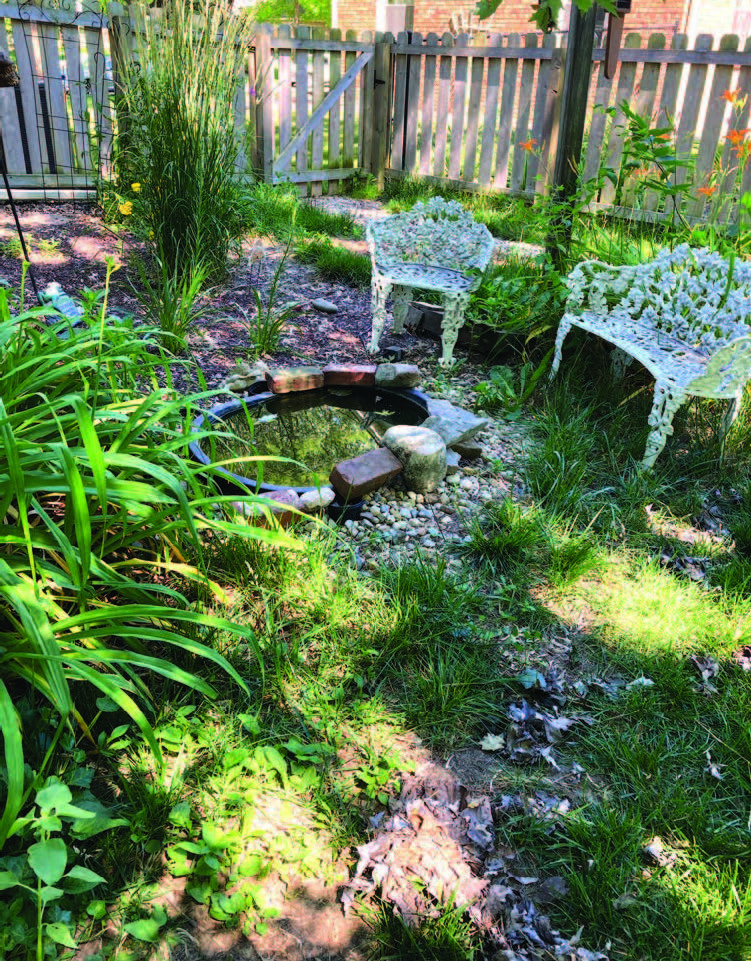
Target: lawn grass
<point x="604" y="596"/>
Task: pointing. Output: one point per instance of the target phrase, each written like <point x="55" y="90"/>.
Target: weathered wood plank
<point x="713" y="122"/>
<point x="505" y="120"/>
<point x="412" y="103"/>
<point x="442" y="118"/>
<point x="692" y="98"/>
<point x="548" y="136"/>
<point x="458" y="101"/>
<point x="29" y="96"/>
<point x="643" y="104"/>
<point x="381" y="107"/>
<point x="624" y="91"/>
<point x="400" y="107"/>
<point x="9" y="123"/>
<point x="335" y="114"/>
<point x="473" y="117"/>
<point x="316" y="152"/>
<point x="267" y="104"/>
<point x="598" y="123"/>
<point x="428" y="102"/>
<point x="350" y="104"/>
<point x="538" y="116"/>
<point x="522" y="157"/>
<point x="52" y="71"/>
<point x="489" y="118"/>
<point x="367" y="107"/>
<point x="284" y="90"/>
<point x="300" y="140"/>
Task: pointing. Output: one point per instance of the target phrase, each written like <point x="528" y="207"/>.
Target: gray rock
<point x="452" y="462"/>
<point x="456" y="426"/>
<point x="421" y="452"/>
<point x="325" y="306"/>
<point x="315" y="500"/>
<point x="397" y="375"/>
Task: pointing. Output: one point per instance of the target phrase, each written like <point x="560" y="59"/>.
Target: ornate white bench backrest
<point x="435" y="233"/>
<point x="686" y="294"/>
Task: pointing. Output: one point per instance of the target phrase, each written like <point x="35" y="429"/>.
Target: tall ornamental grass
<point x="177" y="145"/>
<point x="102" y="522"/>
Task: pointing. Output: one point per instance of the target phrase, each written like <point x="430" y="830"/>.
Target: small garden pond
<point x="313" y="430"/>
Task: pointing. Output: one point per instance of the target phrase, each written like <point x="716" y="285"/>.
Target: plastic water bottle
<point x="54" y="295"/>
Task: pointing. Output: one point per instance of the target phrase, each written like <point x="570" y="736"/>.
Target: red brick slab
<point x="349" y="375"/>
<point x="294" y="378"/>
<point x="360" y="475"/>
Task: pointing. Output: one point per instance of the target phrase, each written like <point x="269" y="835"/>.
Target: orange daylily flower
<point x="730" y="95"/>
<point x="737" y="136"/>
<point x="742" y="150"/>
<point x="527" y="144"/>
<point x="706" y="191"/>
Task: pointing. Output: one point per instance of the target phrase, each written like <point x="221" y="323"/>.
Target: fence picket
<point x="348" y="152"/>
<point x="643" y="104"/>
<point x="523" y="157"/>
<point x="535" y="157"/>
<point x="510" y="70"/>
<point x="489" y="117"/>
<point x="428" y="102"/>
<point x="457" y="109"/>
<point x="10" y="125"/>
<point x="367" y="108"/>
<point x="442" y="118"/>
<point x="284" y="86"/>
<point x="473" y="114"/>
<point x="316" y="147"/>
<point x="624" y="90"/>
<point x="713" y="123"/>
<point x="29" y="95"/>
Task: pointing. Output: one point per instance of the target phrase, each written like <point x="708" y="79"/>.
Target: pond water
<point x="316" y="429"/>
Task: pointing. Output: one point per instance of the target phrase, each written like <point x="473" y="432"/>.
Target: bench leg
<point x="563" y="328"/>
<point x="379" y="290"/>
<point x="454" y="306"/>
<point x="666" y="403"/>
<point x="401" y="300"/>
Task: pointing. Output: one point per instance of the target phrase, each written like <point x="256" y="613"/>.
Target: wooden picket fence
<point x="478" y="113"/>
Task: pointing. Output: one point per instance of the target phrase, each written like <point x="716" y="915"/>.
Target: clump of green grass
<point x="273" y="211"/>
<point x="334" y="263"/>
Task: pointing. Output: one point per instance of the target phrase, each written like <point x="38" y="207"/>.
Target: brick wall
<point x="647" y="16"/>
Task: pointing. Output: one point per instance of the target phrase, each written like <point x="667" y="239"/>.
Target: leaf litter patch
<point x="434" y="847"/>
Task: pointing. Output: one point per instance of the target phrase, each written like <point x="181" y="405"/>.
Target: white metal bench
<point x="435" y="246"/>
<point x="682" y="315"/>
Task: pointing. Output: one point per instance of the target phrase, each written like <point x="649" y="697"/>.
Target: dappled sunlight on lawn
<point x="653" y="611"/>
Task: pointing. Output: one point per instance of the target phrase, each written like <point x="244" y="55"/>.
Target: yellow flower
<point x="150" y="235"/>
<point x="126" y="208"/>
<point x="136" y="188"/>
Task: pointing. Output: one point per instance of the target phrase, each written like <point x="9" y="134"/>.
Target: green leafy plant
<point x="507" y="390"/>
<point x="269" y="320"/>
<point x="169" y="300"/>
<point x="96" y="499"/>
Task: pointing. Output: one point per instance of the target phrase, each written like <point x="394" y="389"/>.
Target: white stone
<point x="318" y="499"/>
<point x="325" y="306"/>
<point x="422" y="453"/>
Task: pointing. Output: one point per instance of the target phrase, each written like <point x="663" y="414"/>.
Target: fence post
<point x="382" y="98"/>
<point x="576" y="79"/>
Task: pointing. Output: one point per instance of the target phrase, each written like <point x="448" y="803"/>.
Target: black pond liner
<point x="405" y="399"/>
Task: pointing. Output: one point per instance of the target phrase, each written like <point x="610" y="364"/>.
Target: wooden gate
<point x="321" y="106"/>
<point x="56" y="126"/>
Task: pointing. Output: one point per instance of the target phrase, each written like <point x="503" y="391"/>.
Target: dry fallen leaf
<point x="713" y="769"/>
<point x="493" y="742"/>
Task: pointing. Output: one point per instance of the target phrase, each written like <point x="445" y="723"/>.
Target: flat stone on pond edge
<point x="317" y="499"/>
<point x="294" y="378"/>
<point x="454" y="424"/>
<point x="349" y="375"/>
<point x="361" y="475"/>
<point x="397" y="375"/>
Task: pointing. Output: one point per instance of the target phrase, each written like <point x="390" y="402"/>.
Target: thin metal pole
<point x="18" y="228"/>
